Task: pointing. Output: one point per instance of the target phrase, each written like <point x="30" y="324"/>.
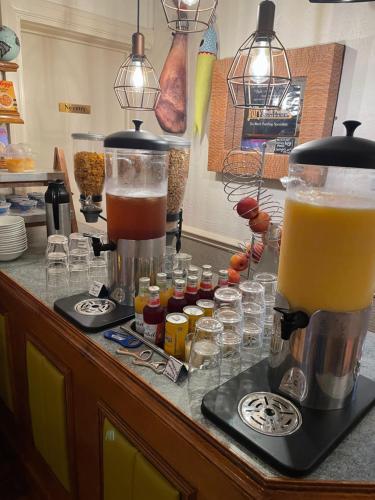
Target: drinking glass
<point x="228" y="297"/>
<point x="252" y="292"/>
<point x="98" y="271"/>
<point x="57" y="275"/>
<point x="79" y="270"/>
<point x="230" y="342"/>
<point x="57" y="243"/>
<point x="269" y="281"/>
<point x="79" y="242"/>
<point x="182" y="261"/>
<point x="170" y="253"/>
<point x="204" y="362"/>
<point x="253" y="325"/>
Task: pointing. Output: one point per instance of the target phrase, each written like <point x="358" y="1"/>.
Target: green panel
<point x="149" y="483"/>
<point x="5" y="387"/>
<point x="118" y="464"/>
<point x="48" y="412"/>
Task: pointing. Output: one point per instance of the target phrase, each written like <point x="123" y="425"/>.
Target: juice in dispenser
<point x="326" y="277"/>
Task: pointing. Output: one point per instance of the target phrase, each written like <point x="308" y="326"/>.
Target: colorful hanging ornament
<point x="207" y="55"/>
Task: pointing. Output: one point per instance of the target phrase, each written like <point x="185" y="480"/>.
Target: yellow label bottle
<point x="140" y="302"/>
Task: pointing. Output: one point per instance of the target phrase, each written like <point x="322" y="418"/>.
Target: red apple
<point x="247" y="208"/>
<point x="234" y="276"/>
<point x="260" y="223"/>
<point x="239" y="262"/>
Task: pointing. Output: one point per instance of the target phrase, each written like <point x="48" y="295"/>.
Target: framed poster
<point x="308" y="111"/>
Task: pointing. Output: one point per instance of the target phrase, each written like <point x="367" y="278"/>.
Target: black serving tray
<point x="296" y="454"/>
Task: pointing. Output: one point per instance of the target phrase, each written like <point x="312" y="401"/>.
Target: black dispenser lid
<point x="342" y="151"/>
<point x="136" y="139"/>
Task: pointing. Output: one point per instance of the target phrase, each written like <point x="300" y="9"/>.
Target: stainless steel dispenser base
<point x="131" y="260"/>
<point x="318" y="366"/>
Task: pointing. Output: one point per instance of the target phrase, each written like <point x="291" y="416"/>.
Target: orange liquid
<point x="327" y="257"/>
<point x="133" y="218"/>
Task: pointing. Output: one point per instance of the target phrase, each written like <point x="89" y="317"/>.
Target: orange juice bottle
<point x="166" y="292"/>
<point x="140" y="302"/>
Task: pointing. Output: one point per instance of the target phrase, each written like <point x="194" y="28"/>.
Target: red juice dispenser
<point x="136" y="196"/>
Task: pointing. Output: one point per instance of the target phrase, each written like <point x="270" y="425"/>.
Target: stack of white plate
<point x="13" y="239"/>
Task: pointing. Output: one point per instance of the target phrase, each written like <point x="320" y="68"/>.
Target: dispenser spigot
<point x="291" y="321"/>
<point x="98" y="246"/>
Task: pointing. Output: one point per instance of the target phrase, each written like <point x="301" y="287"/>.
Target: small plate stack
<point x="13" y="239"/>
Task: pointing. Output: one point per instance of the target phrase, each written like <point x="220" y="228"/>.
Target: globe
<point x="9" y="44"/>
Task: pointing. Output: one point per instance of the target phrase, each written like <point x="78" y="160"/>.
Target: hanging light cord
<point x="138" y="1"/>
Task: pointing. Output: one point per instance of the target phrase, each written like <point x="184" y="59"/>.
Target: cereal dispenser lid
<point x="136" y="139"/>
<point x="342" y="151"/>
<point x="178" y="141"/>
<point x="89" y="136"/>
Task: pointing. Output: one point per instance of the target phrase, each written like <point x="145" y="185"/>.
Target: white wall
<point x="123" y="10"/>
<point x="298" y="23"/>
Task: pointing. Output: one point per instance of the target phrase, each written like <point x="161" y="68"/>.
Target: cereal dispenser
<point x="89" y="172"/>
<point x="178" y="170"/>
<point x="136" y="199"/>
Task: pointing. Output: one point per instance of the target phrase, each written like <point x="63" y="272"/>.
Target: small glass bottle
<point x="177" y="303"/>
<point x="223" y="279"/>
<point x="206" y="290"/>
<point x="154" y="318"/>
<point x="165" y="291"/>
<point x="178" y="274"/>
<point x="140" y="301"/>
<point x="207" y="268"/>
<point x="191" y="294"/>
<point x="194" y="271"/>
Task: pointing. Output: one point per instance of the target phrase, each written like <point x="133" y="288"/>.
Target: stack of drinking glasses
<point x="269" y="282"/>
<point x="235" y="334"/>
<point x="71" y="265"/>
<point x="57" y="266"/>
<point x="254" y="310"/>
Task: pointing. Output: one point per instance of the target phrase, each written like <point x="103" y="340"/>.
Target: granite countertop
<point x="352" y="460"/>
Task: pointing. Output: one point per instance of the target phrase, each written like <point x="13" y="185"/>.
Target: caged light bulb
<point x="137" y="79"/>
<point x="188" y="3"/>
<point x="260" y="65"/>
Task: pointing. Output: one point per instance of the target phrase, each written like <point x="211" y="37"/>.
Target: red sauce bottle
<point x="154" y="318"/>
<point x="223" y="279"/>
<point x="191" y="294"/>
<point x="206" y="290"/>
<point x="177" y="303"/>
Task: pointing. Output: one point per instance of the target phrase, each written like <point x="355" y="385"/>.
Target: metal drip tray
<point x="92" y="314"/>
<point x="95" y="307"/>
<point x="269" y="414"/>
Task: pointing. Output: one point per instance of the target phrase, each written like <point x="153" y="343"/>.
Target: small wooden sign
<point x="67" y="107"/>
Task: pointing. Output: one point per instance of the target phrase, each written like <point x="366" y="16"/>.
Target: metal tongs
<point x="143" y="358"/>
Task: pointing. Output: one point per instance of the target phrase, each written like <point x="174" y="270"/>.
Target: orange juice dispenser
<point x="326" y="277"/>
<point x="136" y="199"/>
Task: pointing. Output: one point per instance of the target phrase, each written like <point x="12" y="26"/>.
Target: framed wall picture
<point x="307" y="113"/>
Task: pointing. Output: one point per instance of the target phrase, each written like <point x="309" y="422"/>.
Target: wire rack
<point x="243" y="176"/>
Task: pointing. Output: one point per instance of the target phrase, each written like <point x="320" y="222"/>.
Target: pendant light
<point x="136" y="85"/>
<point x="189" y="16"/>
<point x="259" y="76"/>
